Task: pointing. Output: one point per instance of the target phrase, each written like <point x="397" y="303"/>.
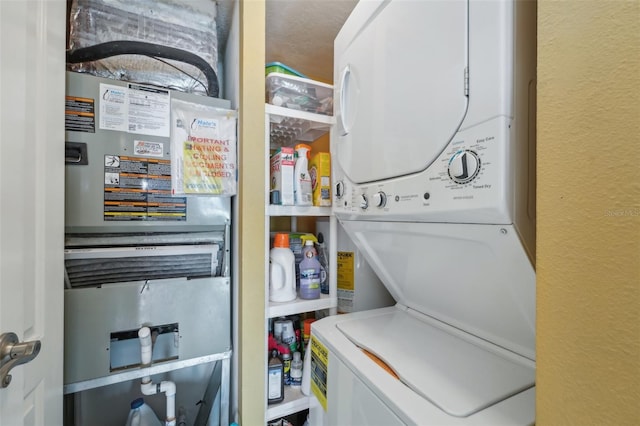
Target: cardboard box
<point x="282" y="164"/>
<point x="320" y="171"/>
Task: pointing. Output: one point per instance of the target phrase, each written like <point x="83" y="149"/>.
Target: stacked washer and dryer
<point x="434" y="173"/>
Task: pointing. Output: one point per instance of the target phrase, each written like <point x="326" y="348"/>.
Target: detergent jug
<point x="282" y="270"/>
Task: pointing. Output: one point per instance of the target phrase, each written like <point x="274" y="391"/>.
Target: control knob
<point x="364" y="202"/>
<point x="379" y="199"/>
<point x="339" y="189"/>
<point x="464" y="166"/>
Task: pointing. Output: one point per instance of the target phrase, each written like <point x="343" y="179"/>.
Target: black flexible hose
<point x="114" y="48"/>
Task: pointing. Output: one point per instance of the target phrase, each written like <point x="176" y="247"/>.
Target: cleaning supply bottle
<point x="285" y="354"/>
<point x="275" y="379"/>
<point x="324" y="262"/>
<point x="303" y="193"/>
<point x="142" y="415"/>
<point x="282" y="270"/>
<point x="296" y="370"/>
<point x="309" y="274"/>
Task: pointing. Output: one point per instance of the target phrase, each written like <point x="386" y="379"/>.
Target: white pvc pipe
<point x="149" y="388"/>
<point x="169" y="388"/>
<point x="146" y="347"/>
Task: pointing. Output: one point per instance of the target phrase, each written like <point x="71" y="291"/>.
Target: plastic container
<point x="281" y="68"/>
<point x="307" y="331"/>
<point x="142" y="415"/>
<point x="302" y="191"/>
<point x="289" y="335"/>
<point x="310" y="275"/>
<point x="282" y="270"/>
<point x="305" y="388"/>
<point x="309" y="249"/>
<point x="299" y="93"/>
<point x="285" y="354"/>
<point x="323" y="258"/>
<point x="275" y="379"/>
<point x="296" y="370"/>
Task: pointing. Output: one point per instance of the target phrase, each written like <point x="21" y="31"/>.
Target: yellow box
<point x="320" y="171"/>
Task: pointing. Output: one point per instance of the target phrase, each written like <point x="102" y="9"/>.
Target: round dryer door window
<point x="400" y="76"/>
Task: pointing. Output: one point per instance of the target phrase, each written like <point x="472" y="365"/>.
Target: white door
<point x="400" y="81"/>
<point x="32" y="63"/>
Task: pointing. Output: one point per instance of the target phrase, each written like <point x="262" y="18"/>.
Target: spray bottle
<point x="303" y="193"/>
<point x="324" y="263"/>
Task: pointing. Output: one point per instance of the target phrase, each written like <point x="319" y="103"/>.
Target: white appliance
<point x="433" y="156"/>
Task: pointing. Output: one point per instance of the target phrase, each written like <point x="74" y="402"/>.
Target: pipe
<point x="144" y="334"/>
<point x="147" y="387"/>
<point x="130" y="47"/>
<point x="182" y="417"/>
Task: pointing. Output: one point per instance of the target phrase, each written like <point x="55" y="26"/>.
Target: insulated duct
<point x="126" y="47"/>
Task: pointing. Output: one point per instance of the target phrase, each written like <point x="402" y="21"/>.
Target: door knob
<point x="13" y="353"/>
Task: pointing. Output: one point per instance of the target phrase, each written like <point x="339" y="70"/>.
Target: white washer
<point x="434" y="164"/>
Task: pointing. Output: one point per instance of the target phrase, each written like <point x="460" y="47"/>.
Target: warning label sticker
<point x="319" y="368"/>
<point x="138" y="188"/>
<point x="346" y="281"/>
<point x="80" y="114"/>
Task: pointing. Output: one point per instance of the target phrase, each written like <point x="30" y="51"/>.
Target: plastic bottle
<point x="289" y="335"/>
<point x="309" y="275"/>
<point x="303" y="194"/>
<point x="285" y="354"/>
<point x="275" y="379"/>
<point x="277" y="329"/>
<point x="324" y="262"/>
<point x="296" y="370"/>
<point x="307" y="332"/>
<point x="282" y="270"/>
<point x="305" y="388"/>
<point x="142" y="415"/>
<point x="306" y="247"/>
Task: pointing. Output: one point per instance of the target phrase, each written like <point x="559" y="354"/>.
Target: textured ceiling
<point x="300" y="34"/>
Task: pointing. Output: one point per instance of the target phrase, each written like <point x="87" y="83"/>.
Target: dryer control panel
<point x="466" y="183"/>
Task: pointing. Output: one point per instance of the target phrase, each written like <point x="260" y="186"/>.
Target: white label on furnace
<point x="113" y="107"/>
<point x="150" y="149"/>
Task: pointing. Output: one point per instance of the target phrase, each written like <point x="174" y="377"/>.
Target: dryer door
<point x="400" y="76"/>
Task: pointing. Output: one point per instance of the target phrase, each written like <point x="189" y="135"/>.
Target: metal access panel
<point x="118" y="160"/>
<point x="191" y="316"/>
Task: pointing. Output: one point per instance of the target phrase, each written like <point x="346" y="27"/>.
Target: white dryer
<point x="434" y="171"/>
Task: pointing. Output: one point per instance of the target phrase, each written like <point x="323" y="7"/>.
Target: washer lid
<point x="476" y="278"/>
<point x="459" y="376"/>
<point x="400" y="69"/>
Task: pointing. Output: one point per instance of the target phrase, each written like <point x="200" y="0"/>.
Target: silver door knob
<point x="13" y="353"/>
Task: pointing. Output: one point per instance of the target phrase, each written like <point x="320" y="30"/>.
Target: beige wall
<point x="588" y="263"/>
<point x="251" y="199"/>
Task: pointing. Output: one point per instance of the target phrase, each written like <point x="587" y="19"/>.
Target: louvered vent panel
<point x="91" y="272"/>
<point x="103" y="259"/>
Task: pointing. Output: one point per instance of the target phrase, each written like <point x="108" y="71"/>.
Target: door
<point x="32" y="43"/>
<point x="400" y="74"/>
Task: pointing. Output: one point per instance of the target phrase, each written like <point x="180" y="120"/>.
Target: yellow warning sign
<point x="319" y="368"/>
<point x="345" y="270"/>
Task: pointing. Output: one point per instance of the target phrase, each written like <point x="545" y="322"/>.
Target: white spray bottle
<point x="303" y="193"/>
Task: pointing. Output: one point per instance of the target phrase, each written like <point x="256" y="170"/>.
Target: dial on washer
<point x="464" y="166"/>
